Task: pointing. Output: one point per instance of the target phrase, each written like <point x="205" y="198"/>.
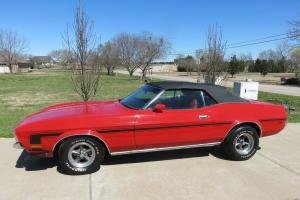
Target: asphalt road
<point x="278" y="89"/>
<point x="202" y="173"/>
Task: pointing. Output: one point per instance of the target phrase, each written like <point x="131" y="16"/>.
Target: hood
<point x="74" y="110"/>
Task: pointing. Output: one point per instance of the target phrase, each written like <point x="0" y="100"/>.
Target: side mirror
<point x="159" y="108"/>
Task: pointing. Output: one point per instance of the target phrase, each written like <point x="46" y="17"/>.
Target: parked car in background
<point x="158" y="116"/>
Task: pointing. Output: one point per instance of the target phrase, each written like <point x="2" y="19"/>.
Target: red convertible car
<point x="158" y="116"/>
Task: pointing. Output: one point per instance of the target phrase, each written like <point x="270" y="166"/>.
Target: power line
<point x="258" y="39"/>
<point x="261" y="42"/>
<point x="246" y="43"/>
<point x="263" y="38"/>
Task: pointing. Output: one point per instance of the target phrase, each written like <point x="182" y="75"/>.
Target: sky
<point x="183" y="23"/>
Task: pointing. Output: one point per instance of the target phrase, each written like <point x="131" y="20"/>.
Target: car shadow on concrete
<point x="166" y="155"/>
<point x="30" y="163"/>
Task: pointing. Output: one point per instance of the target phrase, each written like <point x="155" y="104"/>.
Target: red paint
<point x="124" y="129"/>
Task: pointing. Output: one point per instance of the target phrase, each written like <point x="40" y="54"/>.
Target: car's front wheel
<point x="80" y="155"/>
<point x="242" y="143"/>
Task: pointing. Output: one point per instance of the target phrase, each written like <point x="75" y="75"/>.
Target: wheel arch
<point x="62" y="139"/>
<point x="255" y="125"/>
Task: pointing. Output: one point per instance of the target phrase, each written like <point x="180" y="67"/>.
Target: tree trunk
<point x="144" y="74"/>
<point x="130" y="73"/>
<point x="110" y="71"/>
<point x="10" y="67"/>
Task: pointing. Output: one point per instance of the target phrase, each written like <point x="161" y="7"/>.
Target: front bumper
<point x="36" y="154"/>
<point x="17" y="145"/>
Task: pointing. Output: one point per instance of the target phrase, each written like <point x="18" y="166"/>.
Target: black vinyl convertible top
<point x="219" y="93"/>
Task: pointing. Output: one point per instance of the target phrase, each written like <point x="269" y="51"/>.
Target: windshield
<point x="139" y="98"/>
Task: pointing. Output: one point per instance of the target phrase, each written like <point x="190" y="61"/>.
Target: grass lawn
<point x="23" y="94"/>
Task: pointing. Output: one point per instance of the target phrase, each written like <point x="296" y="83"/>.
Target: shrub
<point x="292" y="81"/>
<point x="181" y="68"/>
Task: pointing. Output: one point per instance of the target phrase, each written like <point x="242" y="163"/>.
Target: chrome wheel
<point x="244" y="143"/>
<point x="81" y="154"/>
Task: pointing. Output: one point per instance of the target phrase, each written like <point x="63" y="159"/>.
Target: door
<point x="187" y="120"/>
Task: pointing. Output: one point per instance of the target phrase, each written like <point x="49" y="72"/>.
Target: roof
<point x="18" y="59"/>
<point x="2" y="59"/>
<point x="40" y="59"/>
<point x="219" y="93"/>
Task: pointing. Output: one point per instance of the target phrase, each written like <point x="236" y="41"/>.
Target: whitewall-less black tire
<point x="242" y="143"/>
<point x="80" y="155"/>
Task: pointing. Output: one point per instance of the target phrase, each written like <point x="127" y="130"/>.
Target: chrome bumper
<point x="17" y="145"/>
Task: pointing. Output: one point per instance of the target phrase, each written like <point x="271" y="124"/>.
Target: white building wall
<point x="4" y="69"/>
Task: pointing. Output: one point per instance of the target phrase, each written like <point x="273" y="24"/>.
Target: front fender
<point x="51" y="146"/>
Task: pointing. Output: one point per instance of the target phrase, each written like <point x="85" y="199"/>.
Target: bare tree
<point x="11" y="46"/>
<point x="295" y="29"/>
<point x="295" y="58"/>
<point x="139" y="51"/>
<point x="95" y="58"/>
<point x="214" y="66"/>
<point x="129" y="56"/>
<point x="56" y="55"/>
<point x="81" y="45"/>
<point x="269" y="54"/>
<point x="246" y="59"/>
<point x="151" y="48"/>
<point x="201" y="62"/>
<point x="63" y="57"/>
<point x="109" y="57"/>
<point x="60" y="56"/>
<point x="283" y="49"/>
<point x="187" y="64"/>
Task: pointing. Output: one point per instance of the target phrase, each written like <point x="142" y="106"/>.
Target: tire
<point x="242" y="143"/>
<point x="80" y="155"/>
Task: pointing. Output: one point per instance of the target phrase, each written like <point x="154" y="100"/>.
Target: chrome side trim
<point x="165" y="148"/>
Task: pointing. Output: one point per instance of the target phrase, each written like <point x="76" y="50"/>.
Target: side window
<point x="168" y="95"/>
<point x="181" y="99"/>
<point x="208" y="99"/>
<point x="168" y="98"/>
<point x="191" y="99"/>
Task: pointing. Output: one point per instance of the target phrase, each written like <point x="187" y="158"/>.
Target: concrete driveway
<point x="202" y="173"/>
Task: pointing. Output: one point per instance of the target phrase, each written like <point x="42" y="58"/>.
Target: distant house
<point x="42" y="61"/>
<point x="24" y="65"/>
<point x="20" y="66"/>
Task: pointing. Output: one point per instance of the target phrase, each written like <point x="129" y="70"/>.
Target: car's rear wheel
<point x="241" y="143"/>
<point x="80" y="155"/>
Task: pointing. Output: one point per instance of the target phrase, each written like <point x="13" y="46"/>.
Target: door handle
<point x="203" y="116"/>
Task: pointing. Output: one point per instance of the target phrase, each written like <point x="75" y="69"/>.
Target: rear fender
<point x="250" y="123"/>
